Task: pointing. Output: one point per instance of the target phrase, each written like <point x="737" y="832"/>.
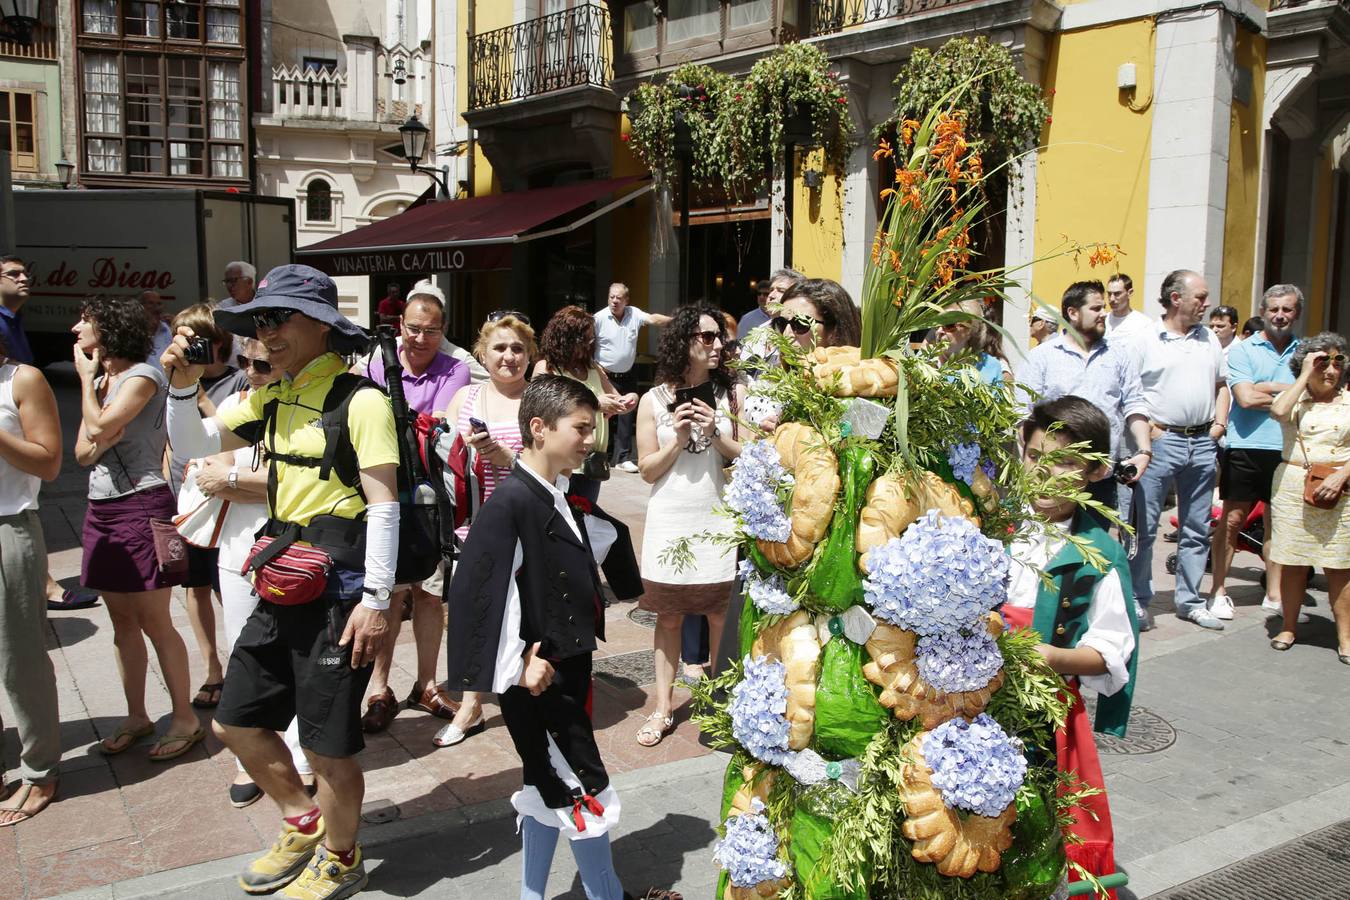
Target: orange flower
<point x="907" y="129"/>
<point x="1101" y="256"/>
<point x="883" y="151"/>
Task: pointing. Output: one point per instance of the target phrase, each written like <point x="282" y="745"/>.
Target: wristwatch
<point x="381" y="595"/>
<point x="232" y="479"/>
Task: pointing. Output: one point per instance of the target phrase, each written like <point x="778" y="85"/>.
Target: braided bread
<point x="888" y="511"/>
<point x="877" y="377"/>
<point x="904" y="692"/>
<point x="796" y="644"/>
<point x="809" y="458"/>
<point x="960" y="845"/>
<point x="740" y="804"/>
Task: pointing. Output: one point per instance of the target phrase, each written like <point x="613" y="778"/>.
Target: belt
<point x="1187" y="430"/>
<point x="343" y="539"/>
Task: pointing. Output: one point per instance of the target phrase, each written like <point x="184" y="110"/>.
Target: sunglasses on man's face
<point x="261" y="366"/>
<point x="498" y="314"/>
<point x="707" y="338"/>
<point x="799" y="324"/>
<point x="272" y="318"/>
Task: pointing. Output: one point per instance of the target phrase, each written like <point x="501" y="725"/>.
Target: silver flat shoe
<point x="452" y="734"/>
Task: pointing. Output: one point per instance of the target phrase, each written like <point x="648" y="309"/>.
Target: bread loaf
<point x="877" y="377"/>
<point x="794" y="642"/>
<point x="888" y="511"/>
<point x="808" y="457"/>
<point x="893" y="668"/>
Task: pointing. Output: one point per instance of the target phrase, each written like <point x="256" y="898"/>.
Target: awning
<point x="472" y="234"/>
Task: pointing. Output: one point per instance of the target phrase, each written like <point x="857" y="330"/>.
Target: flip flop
<point x="212" y="692"/>
<point x="21" y="814"/>
<point x="187" y="740"/>
<point x="134" y="733"/>
<point x="73" y="599"/>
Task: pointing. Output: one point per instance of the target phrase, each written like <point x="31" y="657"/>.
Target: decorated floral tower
<point x="891" y="737"/>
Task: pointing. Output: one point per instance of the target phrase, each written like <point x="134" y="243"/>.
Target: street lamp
<point x="65" y="169"/>
<point x="415" y="135"/>
<point x="400" y="72"/>
<point x="20" y="17"/>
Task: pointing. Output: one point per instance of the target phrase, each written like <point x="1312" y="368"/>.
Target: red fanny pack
<point x="295" y="576"/>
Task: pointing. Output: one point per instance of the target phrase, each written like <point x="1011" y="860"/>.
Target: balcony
<point x="833" y="16"/>
<point x="562" y="50"/>
<point x="308" y="93"/>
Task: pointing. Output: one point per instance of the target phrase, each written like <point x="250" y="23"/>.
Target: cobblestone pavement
<point x="1236" y="749"/>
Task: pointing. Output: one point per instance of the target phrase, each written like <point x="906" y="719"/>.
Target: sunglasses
<point x="261" y="366"/>
<point x="707" y="337"/>
<point x="1337" y="360"/>
<point x="498" y="314"/>
<point x="800" y="324"/>
<point x="272" y="318"/>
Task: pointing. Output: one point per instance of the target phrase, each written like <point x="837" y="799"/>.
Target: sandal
<point x="109" y="747"/>
<point x="17" y="809"/>
<point x="656" y="894"/>
<point x="654" y="729"/>
<point x="73" y="599"/>
<point x="187" y="740"/>
<point x="452" y="734"/>
<point x="212" y="698"/>
<point x="433" y="700"/>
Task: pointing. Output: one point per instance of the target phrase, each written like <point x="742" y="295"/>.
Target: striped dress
<point x="505" y="432"/>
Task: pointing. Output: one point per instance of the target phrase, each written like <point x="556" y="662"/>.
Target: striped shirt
<point x="1106" y="377"/>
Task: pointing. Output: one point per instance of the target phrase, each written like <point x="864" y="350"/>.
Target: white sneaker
<point x="1273" y="608"/>
<point x="1221" y="607"/>
<point x="628" y="466"/>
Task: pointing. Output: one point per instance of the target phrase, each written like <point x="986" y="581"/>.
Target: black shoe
<point x="1172" y="536"/>
<point x="242" y="795"/>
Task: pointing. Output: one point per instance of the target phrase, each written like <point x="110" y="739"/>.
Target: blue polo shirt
<point x="1250" y="362"/>
<point x="11" y="332"/>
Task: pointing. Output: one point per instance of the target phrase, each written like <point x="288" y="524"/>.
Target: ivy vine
<point x="737" y="125"/>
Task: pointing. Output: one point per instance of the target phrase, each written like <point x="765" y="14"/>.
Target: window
<point x="17" y="132"/>
<point x="748" y="13"/>
<point x="222" y="22"/>
<point x="691" y="19"/>
<point x="99" y="16"/>
<point x="102" y="112"/>
<point x="141" y="19"/>
<point x="319" y="201"/>
<point x="186" y="115"/>
<point x="639" y="27"/>
<point x="319" y="64"/>
<point x="145" y="115"/>
<point x="184" y="21"/>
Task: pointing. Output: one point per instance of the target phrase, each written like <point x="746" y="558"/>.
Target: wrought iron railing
<point x="830" y="16"/>
<point x="560" y="50"/>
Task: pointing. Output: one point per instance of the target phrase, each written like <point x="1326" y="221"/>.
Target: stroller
<point x="1251" y="537"/>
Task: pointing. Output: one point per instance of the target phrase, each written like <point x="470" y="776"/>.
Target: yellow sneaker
<point x="280" y="865"/>
<point x="326" y="878"/>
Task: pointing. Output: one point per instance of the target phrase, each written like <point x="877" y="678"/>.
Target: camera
<point x="1124" y="472"/>
<point x="198" y="352"/>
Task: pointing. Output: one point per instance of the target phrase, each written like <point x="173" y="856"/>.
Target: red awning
<point x="472" y="234"/>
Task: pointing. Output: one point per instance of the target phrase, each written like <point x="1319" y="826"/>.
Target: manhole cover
<point x="378" y="812"/>
<point x="627" y="669"/>
<point x="642" y="617"/>
<point x="1147" y="732"/>
<point x="1313" y="867"/>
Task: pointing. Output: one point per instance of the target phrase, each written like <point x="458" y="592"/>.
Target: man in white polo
<point x="1185" y="382"/>
<point x="616" y="334"/>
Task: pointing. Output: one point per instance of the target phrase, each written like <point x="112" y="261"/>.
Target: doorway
<point x="726" y="259"/>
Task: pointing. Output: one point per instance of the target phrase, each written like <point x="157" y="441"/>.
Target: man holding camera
<point x="1083" y="361"/>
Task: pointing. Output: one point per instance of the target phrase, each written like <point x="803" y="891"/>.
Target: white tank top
<point x="18" y="490"/>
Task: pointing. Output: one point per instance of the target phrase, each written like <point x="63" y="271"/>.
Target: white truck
<point x="174" y="241"/>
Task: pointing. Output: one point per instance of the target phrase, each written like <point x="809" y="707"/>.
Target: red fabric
<point x="390" y="308"/>
<point x="592" y="805"/>
<point x="1076" y="751"/>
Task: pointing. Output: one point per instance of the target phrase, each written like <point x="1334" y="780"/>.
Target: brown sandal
<point x="380" y="712"/>
<point x="433" y="700"/>
<point x="18" y="811"/>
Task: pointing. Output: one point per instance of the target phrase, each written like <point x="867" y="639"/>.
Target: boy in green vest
<point x="1083" y="614"/>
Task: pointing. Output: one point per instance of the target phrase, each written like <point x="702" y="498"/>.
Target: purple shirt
<point x="431" y="391"/>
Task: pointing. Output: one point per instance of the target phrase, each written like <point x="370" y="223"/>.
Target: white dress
<point x="681" y="506"/>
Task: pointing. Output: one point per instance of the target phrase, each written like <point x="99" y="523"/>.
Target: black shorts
<point x="203" y="568"/>
<point x="287" y="664"/>
<point x="1246" y="475"/>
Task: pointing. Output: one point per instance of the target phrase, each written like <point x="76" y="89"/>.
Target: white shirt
<point x="18" y="489"/>
<point x="1180" y="374"/>
<point x="1134" y="327"/>
<point x="159" y="342"/>
<point x="616" y="341"/>
<point x="1108" y="622"/>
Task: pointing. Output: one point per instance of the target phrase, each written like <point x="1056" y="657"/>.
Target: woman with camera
<point x="686" y="435"/>
<point x="1310" y="515"/>
<point x="121" y="438"/>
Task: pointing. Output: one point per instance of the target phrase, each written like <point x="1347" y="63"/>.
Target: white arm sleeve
<point x="381" y="550"/>
<point x="191" y="437"/>
<point x="1108" y="633"/>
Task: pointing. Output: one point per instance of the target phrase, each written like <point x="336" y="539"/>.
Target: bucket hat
<point x="305" y="290"/>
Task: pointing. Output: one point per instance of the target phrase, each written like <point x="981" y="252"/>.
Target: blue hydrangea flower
<point x="757" y="477"/>
<point x="988" y="468"/>
<point x="941" y="575"/>
<point x="768" y="594"/>
<point x="758" y="710"/>
<point x="976" y="766"/>
<point x="964" y="458"/>
<point x="749" y="852"/>
<point x="955" y="662"/>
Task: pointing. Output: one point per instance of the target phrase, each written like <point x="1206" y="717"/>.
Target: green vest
<point x="1062" y="606"/>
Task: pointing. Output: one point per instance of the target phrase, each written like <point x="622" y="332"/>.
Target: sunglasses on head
<point x="272" y="318"/>
<point x="799" y="324"/>
<point x="707" y="337"/>
<point x="498" y="314"/>
<point x="261" y="366"/>
<point x="1336" y="359"/>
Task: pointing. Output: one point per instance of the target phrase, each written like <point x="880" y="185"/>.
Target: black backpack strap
<point x="339" y="454"/>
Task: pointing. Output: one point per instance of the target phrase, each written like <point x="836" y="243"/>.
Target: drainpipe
<point x="468" y="52"/>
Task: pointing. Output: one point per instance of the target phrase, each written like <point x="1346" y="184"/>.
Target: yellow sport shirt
<point x="301" y="494"/>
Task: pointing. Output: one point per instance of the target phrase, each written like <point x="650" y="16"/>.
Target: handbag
<point x="171" y="552"/>
<point x="200" y="518"/>
<point x="1313" y="476"/>
<point x="287" y="574"/>
<point x="596" y="465"/>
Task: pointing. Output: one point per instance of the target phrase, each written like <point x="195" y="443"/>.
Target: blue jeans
<point x="1191" y="463"/>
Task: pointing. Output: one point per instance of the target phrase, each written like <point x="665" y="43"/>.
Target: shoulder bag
<point x="1313" y="476"/>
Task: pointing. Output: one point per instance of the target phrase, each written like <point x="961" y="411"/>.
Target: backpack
<point x="458" y="470"/>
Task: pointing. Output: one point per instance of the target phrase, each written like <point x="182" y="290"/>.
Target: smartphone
<point x="478" y="425"/>
<point x="705" y="392"/>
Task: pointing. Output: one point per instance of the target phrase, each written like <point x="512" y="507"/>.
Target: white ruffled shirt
<point x="1108" y="621"/>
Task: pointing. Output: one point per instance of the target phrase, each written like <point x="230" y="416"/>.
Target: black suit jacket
<point x="559" y="584"/>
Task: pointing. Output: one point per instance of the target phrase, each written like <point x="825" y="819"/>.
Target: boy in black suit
<point x="525" y="614"/>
